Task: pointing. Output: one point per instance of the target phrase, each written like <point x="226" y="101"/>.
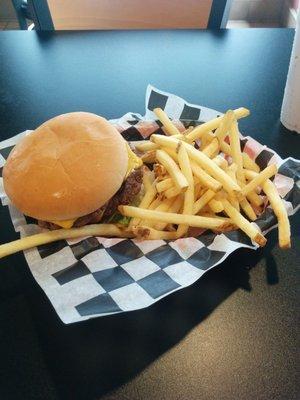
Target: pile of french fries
<point x="197" y="178"/>
<point x="201" y="180"/>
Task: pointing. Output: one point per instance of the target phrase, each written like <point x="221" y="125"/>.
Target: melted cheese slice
<point x="133" y="162"/>
<point x="67" y="224"/>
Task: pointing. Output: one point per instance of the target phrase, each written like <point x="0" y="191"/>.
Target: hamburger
<point x="73" y="170"/>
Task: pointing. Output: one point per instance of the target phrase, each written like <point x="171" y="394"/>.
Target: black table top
<point x="231" y="335"/>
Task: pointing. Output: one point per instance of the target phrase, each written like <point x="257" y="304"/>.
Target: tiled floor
<point x="9" y="25"/>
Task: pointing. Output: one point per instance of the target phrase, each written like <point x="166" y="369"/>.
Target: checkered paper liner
<point x="94" y="276"/>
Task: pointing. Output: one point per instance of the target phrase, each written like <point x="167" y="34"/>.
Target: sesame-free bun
<point x="68" y="167"/>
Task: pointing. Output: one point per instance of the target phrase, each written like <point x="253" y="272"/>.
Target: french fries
<point x="145" y="145"/>
<point x="198" y="132"/>
<point x="147" y="233"/>
<point x="190" y="185"/>
<point x="284" y="230"/>
<point x="173" y="218"/>
<point x="164" y="185"/>
<point x="170" y="128"/>
<point x="172" y="168"/>
<point x="205" y="162"/>
<point x="243" y="224"/>
<point x="28" y="242"/>
<point x="189" y="194"/>
<point x="267" y="173"/>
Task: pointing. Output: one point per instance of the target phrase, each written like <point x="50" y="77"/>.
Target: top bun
<point x="68" y="167"/>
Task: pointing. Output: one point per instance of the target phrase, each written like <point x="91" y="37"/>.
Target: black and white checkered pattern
<point x="91" y="277"/>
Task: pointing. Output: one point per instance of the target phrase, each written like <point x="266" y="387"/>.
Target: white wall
<point x="257" y="10"/>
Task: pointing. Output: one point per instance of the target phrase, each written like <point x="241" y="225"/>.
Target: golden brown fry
<point x="244" y="224"/>
<point x="187" y="131"/>
<point x="231" y="171"/>
<point x="225" y="125"/>
<point x="213" y="124"/>
<point x="170" y="128"/>
<point x="216" y="206"/>
<point x="220" y="161"/>
<point x="160" y="172"/>
<point x="284" y="230"/>
<point x="146" y="233"/>
<point x="60" y="234"/>
<point x="172" y="192"/>
<point x="236" y="152"/>
<point x="189" y="195"/>
<point x="145" y="145"/>
<point x="267" y="173"/>
<point x="205" y="179"/>
<point x="163" y="205"/>
<point x="211" y="148"/>
<point x="175" y="207"/>
<point x="148" y="178"/>
<point x="172" y="218"/>
<point x="147" y="199"/>
<point x="247" y="208"/>
<point x="149" y="157"/>
<point x="164" y="185"/>
<point x="203" y="200"/>
<point x="172" y="168"/>
<point x="249" y="163"/>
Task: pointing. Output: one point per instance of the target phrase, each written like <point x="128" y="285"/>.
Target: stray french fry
<point x="284" y="230"/>
<point x="170" y="128"/>
<point x="60" y="234"/>
<point x="267" y="173"/>
<point x="243" y="224"/>
<point x="198" y="132"/>
<point x="172" y="218"/>
<point x="172" y="168"/>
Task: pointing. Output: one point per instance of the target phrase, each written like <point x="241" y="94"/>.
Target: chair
<point x="128" y="14"/>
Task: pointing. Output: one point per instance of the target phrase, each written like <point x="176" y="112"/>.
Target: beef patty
<point x="129" y="189"/>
